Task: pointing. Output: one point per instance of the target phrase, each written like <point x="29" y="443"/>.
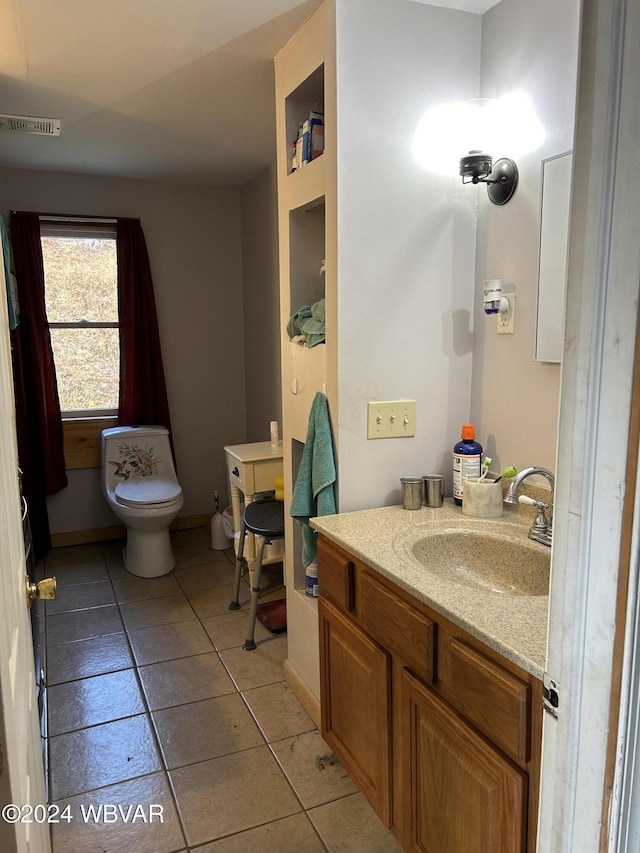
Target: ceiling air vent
<point x="30" y="124"/>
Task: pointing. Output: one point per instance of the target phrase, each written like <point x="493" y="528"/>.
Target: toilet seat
<point x="146" y="491"/>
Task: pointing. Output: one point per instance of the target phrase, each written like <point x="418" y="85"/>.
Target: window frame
<point x="61" y="226"/>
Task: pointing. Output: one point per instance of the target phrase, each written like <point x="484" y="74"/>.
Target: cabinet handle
<point x="350" y="592"/>
<point x="235" y="471"/>
<point x="294" y="387"/>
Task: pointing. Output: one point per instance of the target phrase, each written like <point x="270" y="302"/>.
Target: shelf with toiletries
<point x="304" y="116"/>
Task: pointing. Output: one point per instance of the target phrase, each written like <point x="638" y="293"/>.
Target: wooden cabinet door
<point x="463" y="796"/>
<point x="355" y="697"/>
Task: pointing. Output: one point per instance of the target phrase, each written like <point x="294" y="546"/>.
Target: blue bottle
<point x="467" y="458"/>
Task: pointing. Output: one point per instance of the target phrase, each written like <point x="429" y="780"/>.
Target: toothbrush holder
<point x="482" y="498"/>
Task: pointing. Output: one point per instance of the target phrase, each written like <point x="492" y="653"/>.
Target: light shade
<point x="506" y="126"/>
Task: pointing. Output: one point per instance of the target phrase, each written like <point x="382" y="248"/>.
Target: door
<point x="355" y="685"/>
<point x="464" y="795"/>
<point x="21" y="769"/>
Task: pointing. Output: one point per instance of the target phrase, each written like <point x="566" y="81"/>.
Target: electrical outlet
<point x="391" y="419"/>
<point x="506" y="321"/>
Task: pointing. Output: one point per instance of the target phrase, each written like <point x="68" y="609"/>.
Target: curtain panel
<point x="38" y="420"/>
<point x="143" y="393"/>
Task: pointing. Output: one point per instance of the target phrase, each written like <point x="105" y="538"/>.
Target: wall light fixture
<point x="501" y="178"/>
<point x="479" y="126"/>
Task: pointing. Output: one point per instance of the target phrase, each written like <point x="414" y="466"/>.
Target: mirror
<point x="555" y="197"/>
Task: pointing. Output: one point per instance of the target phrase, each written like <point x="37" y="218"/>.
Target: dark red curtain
<point x="38" y="421"/>
<point x="143" y="394"/>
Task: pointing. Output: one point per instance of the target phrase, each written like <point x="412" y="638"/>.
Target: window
<point x="81" y="298"/>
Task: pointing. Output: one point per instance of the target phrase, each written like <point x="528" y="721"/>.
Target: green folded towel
<point x="317" y="310"/>
<point x="314" y="494"/>
<point x="294" y="326"/>
<point x="314" y="331"/>
<point x="309" y="323"/>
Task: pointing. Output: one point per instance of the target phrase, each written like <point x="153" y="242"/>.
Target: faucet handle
<point x="525" y="499"/>
<point x="541" y="529"/>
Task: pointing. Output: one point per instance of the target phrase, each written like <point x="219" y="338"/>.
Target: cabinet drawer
<point x="397" y="626"/>
<point x="335" y="575"/>
<point x="494" y="700"/>
<point x="256" y="476"/>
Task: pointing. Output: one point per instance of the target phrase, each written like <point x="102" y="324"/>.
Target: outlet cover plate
<point x="506" y="322"/>
<point x="391" y="419"/>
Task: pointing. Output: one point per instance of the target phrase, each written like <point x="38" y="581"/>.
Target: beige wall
<point x="514" y="402"/>
<point x="193" y="237"/>
<point x="261" y="304"/>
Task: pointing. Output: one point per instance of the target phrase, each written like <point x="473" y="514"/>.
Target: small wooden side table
<point x="252" y="468"/>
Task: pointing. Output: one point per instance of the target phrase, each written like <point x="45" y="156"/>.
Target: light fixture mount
<point x="501" y="178"/>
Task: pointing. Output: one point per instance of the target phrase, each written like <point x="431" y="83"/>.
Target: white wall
<point x="194" y="241"/>
<point x="406" y="242"/>
<point x="413" y="248"/>
<point x="532" y="48"/>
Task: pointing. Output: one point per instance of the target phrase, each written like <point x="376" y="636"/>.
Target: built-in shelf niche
<point x="309" y="95"/>
<point x="297" y="449"/>
<point x="306" y="255"/>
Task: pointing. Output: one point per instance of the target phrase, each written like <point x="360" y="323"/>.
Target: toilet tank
<point x="134" y="452"/>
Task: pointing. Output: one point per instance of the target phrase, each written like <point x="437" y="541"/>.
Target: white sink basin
<point x="484" y="560"/>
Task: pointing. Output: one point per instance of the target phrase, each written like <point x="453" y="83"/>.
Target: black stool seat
<point x="265" y="518"/>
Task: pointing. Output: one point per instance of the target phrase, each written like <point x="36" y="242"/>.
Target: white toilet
<point x="140" y="485"/>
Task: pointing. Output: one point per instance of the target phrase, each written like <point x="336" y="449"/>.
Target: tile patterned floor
<point x="153" y="703"/>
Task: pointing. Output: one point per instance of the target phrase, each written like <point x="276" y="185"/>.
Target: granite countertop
<point x="515" y="626"/>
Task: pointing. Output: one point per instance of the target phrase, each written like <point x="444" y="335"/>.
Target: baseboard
<point x="84" y="537"/>
<point x="188" y="522"/>
<point x="119" y="531"/>
<point x="304" y="695"/>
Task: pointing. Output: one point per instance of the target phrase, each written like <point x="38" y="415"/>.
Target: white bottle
<point x="299" y="148"/>
<point x="311" y="580"/>
<point x="219" y="539"/>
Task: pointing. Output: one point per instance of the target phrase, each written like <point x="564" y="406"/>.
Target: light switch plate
<point x="391" y="419"/>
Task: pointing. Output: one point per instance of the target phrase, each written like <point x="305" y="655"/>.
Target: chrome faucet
<point x="542" y="529"/>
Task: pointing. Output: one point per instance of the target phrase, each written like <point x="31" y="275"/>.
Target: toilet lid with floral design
<point x="141" y="491"/>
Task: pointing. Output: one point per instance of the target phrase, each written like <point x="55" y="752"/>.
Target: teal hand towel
<point x="314" y="493"/>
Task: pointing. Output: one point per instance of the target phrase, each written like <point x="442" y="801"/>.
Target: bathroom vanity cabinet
<point x="440" y="733"/>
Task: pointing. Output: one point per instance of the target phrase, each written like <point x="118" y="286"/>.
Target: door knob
<point x="46" y="588"/>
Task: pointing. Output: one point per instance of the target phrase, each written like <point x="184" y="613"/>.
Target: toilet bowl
<point x="140" y="485"/>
